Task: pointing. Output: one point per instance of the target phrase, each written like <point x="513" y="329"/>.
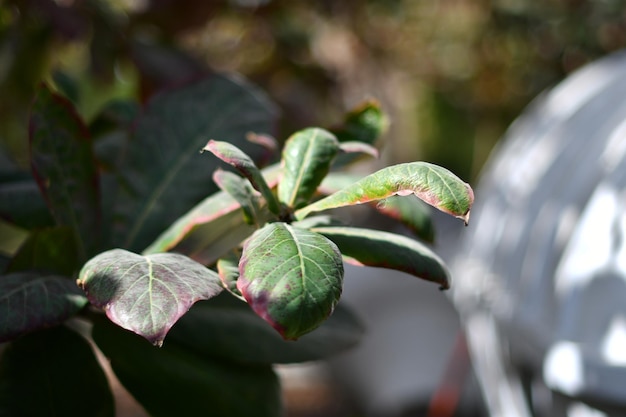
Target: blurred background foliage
<point x="452" y="74"/>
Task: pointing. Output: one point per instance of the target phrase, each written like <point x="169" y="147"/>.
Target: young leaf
<point x="306" y="160"/>
<point x="176" y="381"/>
<point x="291" y="277"/>
<point x="208" y="329"/>
<point x="162" y="175"/>
<point x="243" y="163"/>
<point x="146" y="294"/>
<point x="431" y="183"/>
<point x="64" y="167"/>
<point x="228" y="270"/>
<point x="240" y="190"/>
<point x="53" y="373"/>
<point x="31" y="301"/>
<point x="358" y="147"/>
<point x="388" y="250"/>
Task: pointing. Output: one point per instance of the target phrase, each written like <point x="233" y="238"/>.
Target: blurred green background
<point x="452" y="74"/>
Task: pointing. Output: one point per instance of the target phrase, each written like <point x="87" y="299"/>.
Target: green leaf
<point x="64" y="167"/>
<point x="365" y="123"/>
<point x="146" y="294"/>
<point x="243" y="163"/>
<point x="31" y="301"/>
<point x="22" y="204"/>
<point x="208" y="328"/>
<point x="306" y="159"/>
<point x="210" y="229"/>
<point x="291" y="277"/>
<point x="240" y="190"/>
<point x="410" y="211"/>
<point x="431" y="183"/>
<point x="53" y="373"/>
<point x="47" y="250"/>
<point x="388" y="250"/>
<point x="228" y="271"/>
<point x="175" y="381"/>
<point x="162" y="175"/>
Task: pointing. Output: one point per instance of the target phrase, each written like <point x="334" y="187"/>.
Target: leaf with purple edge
<point x="388" y="250"/>
<point x="291" y="277"/>
<point x="306" y="160"/>
<point x="238" y="159"/>
<point x="241" y="190"/>
<point x="431" y="183"/>
<point x="358" y="147"/>
<point x="31" y="301"/>
<point x="146" y="294"/>
<point x="228" y="271"/>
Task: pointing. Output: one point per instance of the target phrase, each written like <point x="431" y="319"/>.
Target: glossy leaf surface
<point x="53" y="373"/>
<point x="175" y="381"/>
<point x="146" y="294"/>
<point x="433" y="184"/>
<point x="306" y="160"/>
<point x="291" y="277"/>
<point x="208" y="328"/>
<point x="64" y="167"/>
<point x="234" y="156"/>
<point x="388" y="250"/>
<point x="31" y="301"/>
<point x="163" y="176"/>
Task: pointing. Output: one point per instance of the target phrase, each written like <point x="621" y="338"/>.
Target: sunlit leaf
<point x="53" y="373"/>
<point x="176" y="381"/>
<point x="208" y="328"/>
<point x="306" y="159"/>
<point x="234" y="156"/>
<point x="431" y="183"/>
<point x="31" y="301"/>
<point x="228" y="271"/>
<point x="358" y="147"/>
<point x="64" y="167"/>
<point x="291" y="277"/>
<point x="240" y="190"/>
<point x="146" y="294"/>
<point x="162" y="175"/>
<point x="388" y="250"/>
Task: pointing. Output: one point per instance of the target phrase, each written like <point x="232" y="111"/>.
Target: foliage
<point x="126" y="216"/>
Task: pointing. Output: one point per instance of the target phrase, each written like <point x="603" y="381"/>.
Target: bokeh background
<point x="451" y="74"/>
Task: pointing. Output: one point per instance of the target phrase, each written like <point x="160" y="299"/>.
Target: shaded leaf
<point x="53" y="373"/>
<point x="162" y="175"/>
<point x="388" y="250"/>
<point x="365" y="123"/>
<point x="241" y="191"/>
<point x="63" y="165"/>
<point x="291" y="277"/>
<point x="433" y="184"/>
<point x="243" y="163"/>
<point x="208" y="328"/>
<point x="146" y="294"/>
<point x="306" y="159"/>
<point x="175" y="381"/>
<point x="269" y="144"/>
<point x="31" y="301"/>
<point x="228" y="271"/>
<point x="211" y="228"/>
<point x="48" y="250"/>
<point x="22" y="204"/>
<point x="410" y="211"/>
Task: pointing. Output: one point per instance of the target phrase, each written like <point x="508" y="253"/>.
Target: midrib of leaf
<point x="296" y="187"/>
<point x="458" y="204"/>
<point x="150" y="278"/>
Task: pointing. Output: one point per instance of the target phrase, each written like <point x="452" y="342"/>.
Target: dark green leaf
<point x="31" y="301"/>
<point x="174" y="381"/>
<point x="388" y="250"/>
<point x="117" y="114"/>
<point x="243" y="163"/>
<point x="53" y="373"/>
<point x="431" y="183"/>
<point x="291" y="277"/>
<point x="50" y="250"/>
<point x="240" y="190"/>
<point x="64" y="167"/>
<point x="210" y="229"/>
<point x="21" y="204"/>
<point x="208" y="328"/>
<point x="306" y="160"/>
<point x="163" y="176"/>
<point x="365" y="123"/>
<point x="412" y="212"/>
<point x="146" y="294"/>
